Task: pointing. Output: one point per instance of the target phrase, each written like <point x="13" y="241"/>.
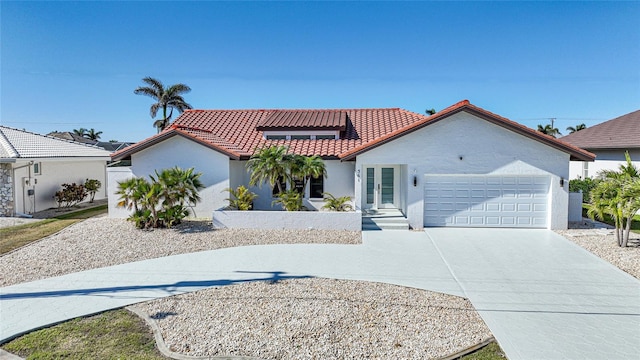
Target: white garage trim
<point x="486" y="200"/>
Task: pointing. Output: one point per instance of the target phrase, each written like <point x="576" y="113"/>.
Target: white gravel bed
<point x="102" y="241"/>
<point x="603" y="243"/>
<point x="317" y="319"/>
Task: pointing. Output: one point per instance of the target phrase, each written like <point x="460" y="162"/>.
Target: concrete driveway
<point x="542" y="296"/>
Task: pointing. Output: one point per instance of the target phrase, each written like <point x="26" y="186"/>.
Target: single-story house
<point x="608" y="141"/>
<point x="110" y="146"/>
<point x="33" y="167"/>
<point x="463" y="166"/>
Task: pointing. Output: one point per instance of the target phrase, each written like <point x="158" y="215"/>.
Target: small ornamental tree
<point x="240" y="198"/>
<point x="92" y="186"/>
<point x="164" y="200"/>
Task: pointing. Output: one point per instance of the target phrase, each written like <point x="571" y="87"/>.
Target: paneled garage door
<point x="486" y="201"/>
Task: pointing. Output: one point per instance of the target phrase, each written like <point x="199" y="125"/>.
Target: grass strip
<point x="490" y="352"/>
<point x="14" y="237"/>
<point x="115" y="334"/>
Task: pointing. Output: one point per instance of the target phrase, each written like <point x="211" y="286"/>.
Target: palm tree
<point x="167" y="98"/>
<point x="430" y="111"/>
<point x="549" y="130"/>
<point x="309" y="167"/>
<point x="572" y="129"/>
<point x="269" y="164"/>
<point x="92" y="134"/>
<point x="80" y="132"/>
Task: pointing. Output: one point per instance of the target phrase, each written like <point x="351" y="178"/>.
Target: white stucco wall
<point x="178" y="151"/>
<point x="320" y="220"/>
<point x="54" y="173"/>
<point x="485" y="148"/>
<point x="605" y="160"/>
<point x="116" y="175"/>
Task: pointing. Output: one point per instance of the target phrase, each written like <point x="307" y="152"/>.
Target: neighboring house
<point x="608" y="141"/>
<point x="110" y="146"/>
<point x="33" y="167"/>
<point x="462" y="166"/>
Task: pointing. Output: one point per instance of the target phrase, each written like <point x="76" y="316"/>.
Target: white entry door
<point x="486" y="201"/>
<point x="381" y="187"/>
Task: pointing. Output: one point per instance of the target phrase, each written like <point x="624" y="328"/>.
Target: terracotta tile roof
<point x="303" y="120"/>
<point x="15" y="144"/>
<point x="235" y="132"/>
<point x="620" y="133"/>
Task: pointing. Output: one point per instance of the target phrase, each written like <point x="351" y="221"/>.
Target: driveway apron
<point x="542" y="296"/>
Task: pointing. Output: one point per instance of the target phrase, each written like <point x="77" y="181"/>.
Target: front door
<point x="381" y="187"/>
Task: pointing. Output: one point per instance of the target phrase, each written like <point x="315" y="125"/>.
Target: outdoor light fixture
<point x="415" y="178"/>
<point x="562" y="181"/>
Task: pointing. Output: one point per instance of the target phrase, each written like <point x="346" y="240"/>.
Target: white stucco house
<point x="608" y="141"/>
<point x="463" y="166"/>
<point x="33" y="167"/>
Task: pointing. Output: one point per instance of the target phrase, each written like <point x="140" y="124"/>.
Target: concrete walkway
<point x="532" y="287"/>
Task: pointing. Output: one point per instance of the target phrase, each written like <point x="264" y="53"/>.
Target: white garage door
<point x="486" y="201"/>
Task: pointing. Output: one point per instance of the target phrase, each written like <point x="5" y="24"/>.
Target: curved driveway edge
<point x="400" y="258"/>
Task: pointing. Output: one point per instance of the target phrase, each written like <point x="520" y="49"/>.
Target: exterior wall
<point x="605" y="160"/>
<point x="116" y="175"/>
<point x="6" y="190"/>
<point x="178" y="151"/>
<point x="54" y="173"/>
<point x="339" y="182"/>
<point x="322" y="220"/>
<point x="485" y="148"/>
<point x="575" y="207"/>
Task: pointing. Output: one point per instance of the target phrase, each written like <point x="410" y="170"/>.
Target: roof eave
<point x="130" y="150"/>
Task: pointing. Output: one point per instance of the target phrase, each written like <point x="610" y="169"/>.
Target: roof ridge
<point x="294" y="109"/>
<point x="94" y="146"/>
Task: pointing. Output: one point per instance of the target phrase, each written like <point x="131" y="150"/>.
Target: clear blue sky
<point x="66" y="65"/>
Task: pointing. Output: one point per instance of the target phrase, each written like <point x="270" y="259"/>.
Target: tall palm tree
<point x="92" y="134"/>
<point x="549" y="130"/>
<point x="168" y="98"/>
<point x="579" y="127"/>
<point x="269" y="164"/>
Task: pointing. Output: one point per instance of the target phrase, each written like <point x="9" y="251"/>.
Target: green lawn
<point x="489" y="352"/>
<point x="14" y="237"/>
<point x="116" y="334"/>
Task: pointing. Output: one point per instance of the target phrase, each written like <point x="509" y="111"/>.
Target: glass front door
<point x="380" y="187"/>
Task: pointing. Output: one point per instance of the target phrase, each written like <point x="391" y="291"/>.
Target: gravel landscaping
<point x="302" y="318"/>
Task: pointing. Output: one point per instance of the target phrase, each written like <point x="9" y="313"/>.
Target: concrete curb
<point x="164" y="350"/>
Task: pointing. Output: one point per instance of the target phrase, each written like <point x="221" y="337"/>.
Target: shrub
<point x="163" y="201"/>
<point x="291" y="200"/>
<point x="241" y="198"/>
<point x="585" y="185"/>
<point x="92" y="186"/>
<point x="337" y="204"/>
<point x="70" y="195"/>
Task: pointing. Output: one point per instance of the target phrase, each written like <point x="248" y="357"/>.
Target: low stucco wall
<point x="575" y="206"/>
<point x="322" y="220"/>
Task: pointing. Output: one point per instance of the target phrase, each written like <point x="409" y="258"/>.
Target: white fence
<point x="322" y="220"/>
<point x="575" y="207"/>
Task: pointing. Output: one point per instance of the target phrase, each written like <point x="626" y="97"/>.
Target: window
<point x="316" y="187"/>
<point x="300" y="137"/>
<point x="275" y="191"/>
<point x="370" y="185"/>
<point x="585" y="170"/>
<point x="325" y="137"/>
<point x="276" y="137"/>
<point x="297" y="186"/>
<point x="37" y="168"/>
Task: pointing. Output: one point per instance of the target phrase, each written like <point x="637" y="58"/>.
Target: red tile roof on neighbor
<point x="622" y="132"/>
<point x="236" y="133"/>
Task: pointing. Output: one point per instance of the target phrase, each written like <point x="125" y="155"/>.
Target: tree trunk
<point x="627" y="229"/>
